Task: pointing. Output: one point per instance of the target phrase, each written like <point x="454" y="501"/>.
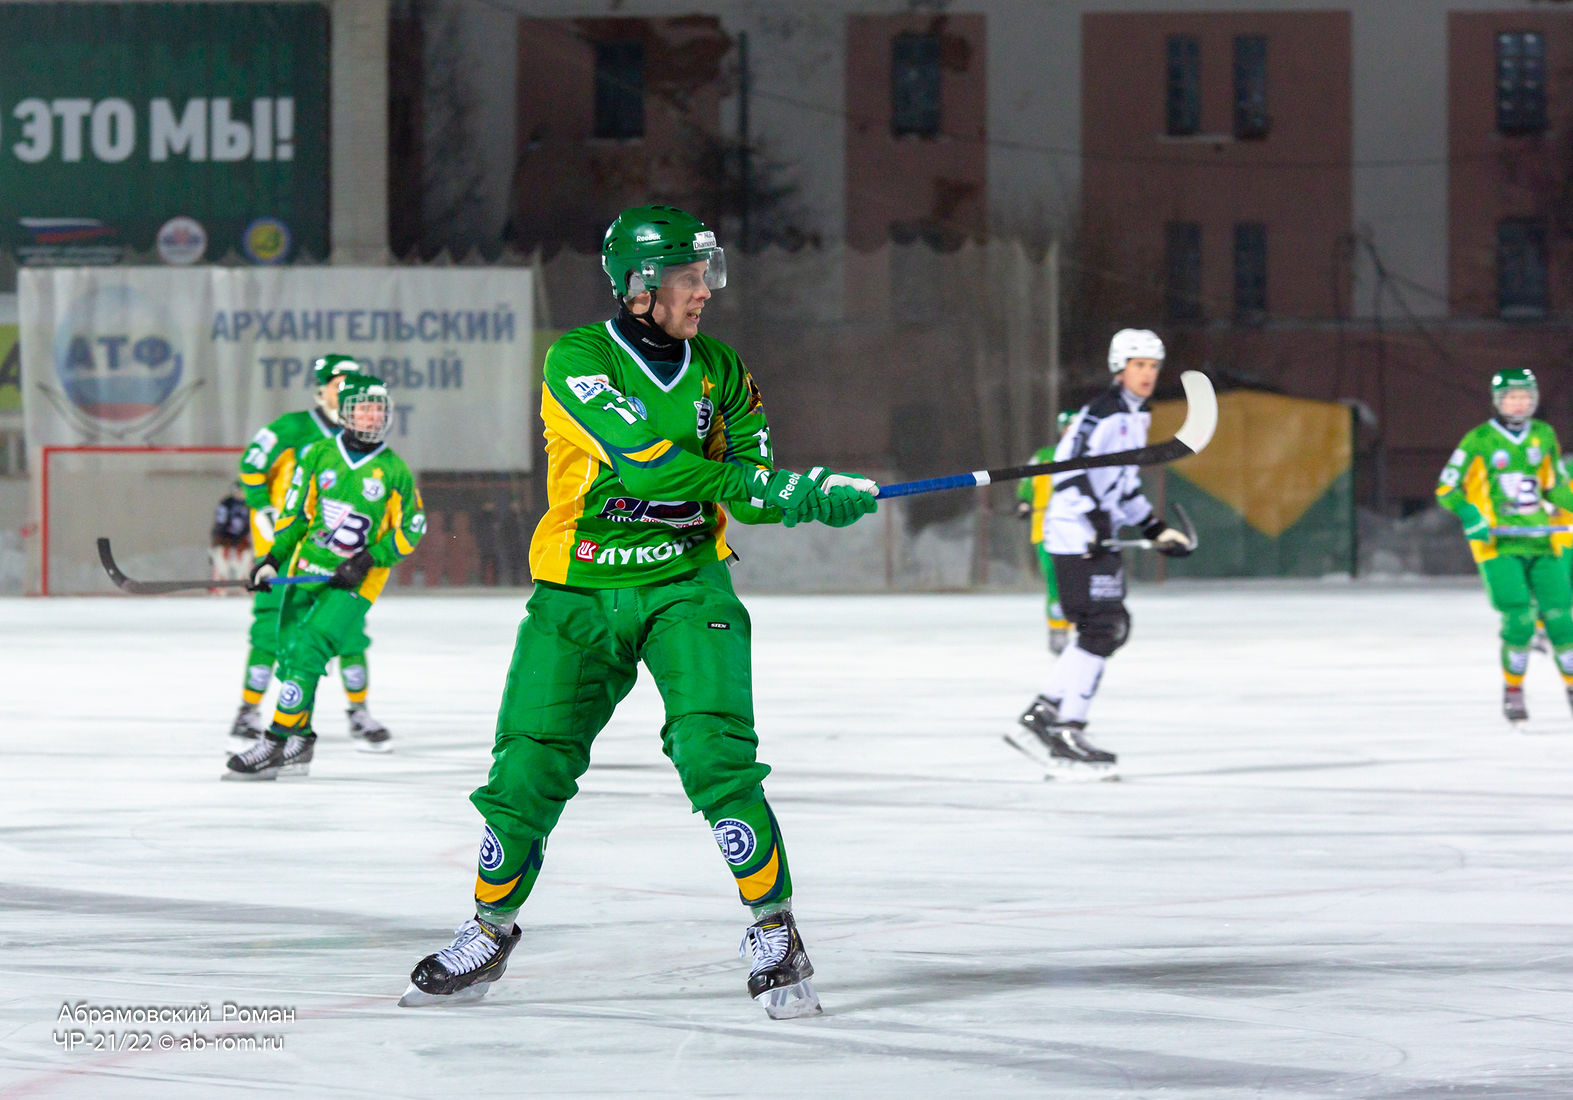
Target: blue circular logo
<point x="735" y="839"/>
<point x="491" y="850"/>
<point x="290" y="694"/>
<point x="117" y="354"/>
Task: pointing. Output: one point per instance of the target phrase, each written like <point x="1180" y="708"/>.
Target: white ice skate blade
<point x="1082" y="773"/>
<point x="378" y="748"/>
<point x="242" y="777"/>
<point x="416" y="998"/>
<point x="1027" y="743"/>
<point x="295" y="771"/>
<point x="788" y="1002"/>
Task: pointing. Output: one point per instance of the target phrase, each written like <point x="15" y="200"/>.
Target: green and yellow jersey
<point x="1514" y="478"/>
<point x="1038" y="490"/>
<point x="638" y="456"/>
<point x="269" y="462"/>
<point x="342" y="501"/>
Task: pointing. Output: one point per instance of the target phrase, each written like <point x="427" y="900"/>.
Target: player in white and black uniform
<point x="1084" y="515"/>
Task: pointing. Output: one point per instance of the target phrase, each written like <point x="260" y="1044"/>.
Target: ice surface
<point x="1329" y="871"/>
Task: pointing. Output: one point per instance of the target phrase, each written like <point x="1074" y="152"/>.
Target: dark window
<point x="1250" y="271"/>
<point x="1183" y="86"/>
<point x="619" y="89"/>
<point x="1521" y="82"/>
<point x="1250" y="86"/>
<point x="1182" y="286"/>
<point x="914" y="85"/>
<point x="1521" y="268"/>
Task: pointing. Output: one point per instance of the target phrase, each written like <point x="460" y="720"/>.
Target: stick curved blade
<point x="1201" y="411"/>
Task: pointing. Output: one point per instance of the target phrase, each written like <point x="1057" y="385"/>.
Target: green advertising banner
<point x="186" y="130"/>
<point x="10" y="369"/>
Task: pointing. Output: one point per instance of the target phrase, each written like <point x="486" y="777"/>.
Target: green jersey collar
<point x="656" y="372"/>
<point x="357" y="463"/>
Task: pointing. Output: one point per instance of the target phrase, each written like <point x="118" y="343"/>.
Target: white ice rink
<point x="1330" y="870"/>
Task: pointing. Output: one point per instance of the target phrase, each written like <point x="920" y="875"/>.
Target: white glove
<point x="861" y="484"/>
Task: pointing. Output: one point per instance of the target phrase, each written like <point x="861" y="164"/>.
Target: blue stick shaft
<point x="929" y="485"/>
<point x="1530" y="532"/>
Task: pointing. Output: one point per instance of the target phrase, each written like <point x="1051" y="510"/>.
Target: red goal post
<point x="155" y="504"/>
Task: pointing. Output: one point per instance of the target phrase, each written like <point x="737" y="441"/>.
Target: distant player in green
<point x="352" y="512"/>
<point x="651" y="427"/>
<point x="1508" y="473"/>
<point x="265" y="471"/>
<point x="1032" y="500"/>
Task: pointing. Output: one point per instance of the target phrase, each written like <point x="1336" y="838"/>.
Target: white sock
<point x="1077" y="673"/>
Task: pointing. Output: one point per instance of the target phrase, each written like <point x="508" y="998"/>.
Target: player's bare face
<point x="1140" y="376"/>
<point x="1517" y="404"/>
<point x="328" y="396"/>
<point x="680" y="299"/>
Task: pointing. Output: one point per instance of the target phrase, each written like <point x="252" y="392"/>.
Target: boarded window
<point x="1183" y="86"/>
<point x="619" y="89"/>
<point x="1182" y="286"/>
<point x="914" y="85"/>
<point x="1250" y="271"/>
<point x="1250" y="86"/>
<point x="1521" y="268"/>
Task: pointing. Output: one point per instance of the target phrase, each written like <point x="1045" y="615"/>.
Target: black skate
<point x="298" y="751"/>
<point x="372" y="734"/>
<point x="261" y="761"/>
<point x="1513" y="708"/>
<point x="465" y="969"/>
<point x="1076" y="758"/>
<point x="781" y="971"/>
<point x="248" y="723"/>
<point x="1033" y="738"/>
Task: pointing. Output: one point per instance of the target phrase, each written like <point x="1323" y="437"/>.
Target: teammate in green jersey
<point x="265" y="470"/>
<point x="651" y="427"/>
<point x="352" y="512"/>
<point x="1508" y="473"/>
<point x="1032" y="500"/>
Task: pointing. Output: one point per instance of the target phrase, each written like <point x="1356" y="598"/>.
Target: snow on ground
<point x="1329" y="870"/>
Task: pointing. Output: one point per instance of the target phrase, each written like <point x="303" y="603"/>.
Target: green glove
<point x="1476" y="529"/>
<point x="851" y="498"/>
<point x="797" y="495"/>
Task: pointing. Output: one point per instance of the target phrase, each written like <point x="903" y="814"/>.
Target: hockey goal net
<point x="155" y="505"/>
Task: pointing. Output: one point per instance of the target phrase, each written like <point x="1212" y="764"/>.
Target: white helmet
<point x="1133" y="343"/>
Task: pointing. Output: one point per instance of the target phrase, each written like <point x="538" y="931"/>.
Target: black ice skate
<point x="465" y="969"/>
<point x="781" y="971"/>
<point x="1513" y="708"/>
<point x="1075" y="757"/>
<point x="1033" y="738"/>
<point x="372" y="734"/>
<point x="248" y="723"/>
<point x="261" y="761"/>
<point x="298" y="751"/>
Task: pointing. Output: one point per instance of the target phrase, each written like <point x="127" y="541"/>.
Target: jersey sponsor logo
<point x="587" y="386"/>
<point x="673" y="513"/>
<point x="327" y="479"/>
<point x="638" y="407"/>
<point x="491" y="850"/>
<point x="705" y="239"/>
<point x="1107" y="586"/>
<point x="290" y="694"/>
<point x="719" y="626"/>
<point x="586" y="550"/>
<point x="735" y="839"/>
<point x="373" y="488"/>
<point x="1499" y="459"/>
<point x="648" y="555"/>
<point x="705" y="413"/>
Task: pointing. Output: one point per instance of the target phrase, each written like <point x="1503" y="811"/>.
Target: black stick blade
<point x="153" y="588"/>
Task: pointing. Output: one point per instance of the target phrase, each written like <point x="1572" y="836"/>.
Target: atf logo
<point x="117" y="355"/>
<point x="735" y="839"/>
<point x="586" y="550"/>
<point x="491" y="850"/>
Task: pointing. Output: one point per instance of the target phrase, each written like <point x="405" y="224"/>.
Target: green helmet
<point x="329" y="367"/>
<point x="1506" y="381"/>
<point x="1063" y="421"/>
<point x="359" y="390"/>
<point x="644" y="239"/>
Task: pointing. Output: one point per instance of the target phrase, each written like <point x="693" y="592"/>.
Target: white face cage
<point x="366" y="416"/>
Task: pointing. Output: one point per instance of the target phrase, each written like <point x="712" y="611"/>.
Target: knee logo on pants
<point x="290" y="694"/>
<point x="736" y="840"/>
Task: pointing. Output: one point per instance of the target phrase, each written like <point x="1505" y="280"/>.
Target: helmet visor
<point x="708" y="267"/>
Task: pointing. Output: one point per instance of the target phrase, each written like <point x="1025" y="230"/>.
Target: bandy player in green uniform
<point x="1032" y="501"/>
<point x="1508" y="473"/>
<point x="265" y="471"/>
<point x="650" y="426"/>
<point x="352" y="512"/>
